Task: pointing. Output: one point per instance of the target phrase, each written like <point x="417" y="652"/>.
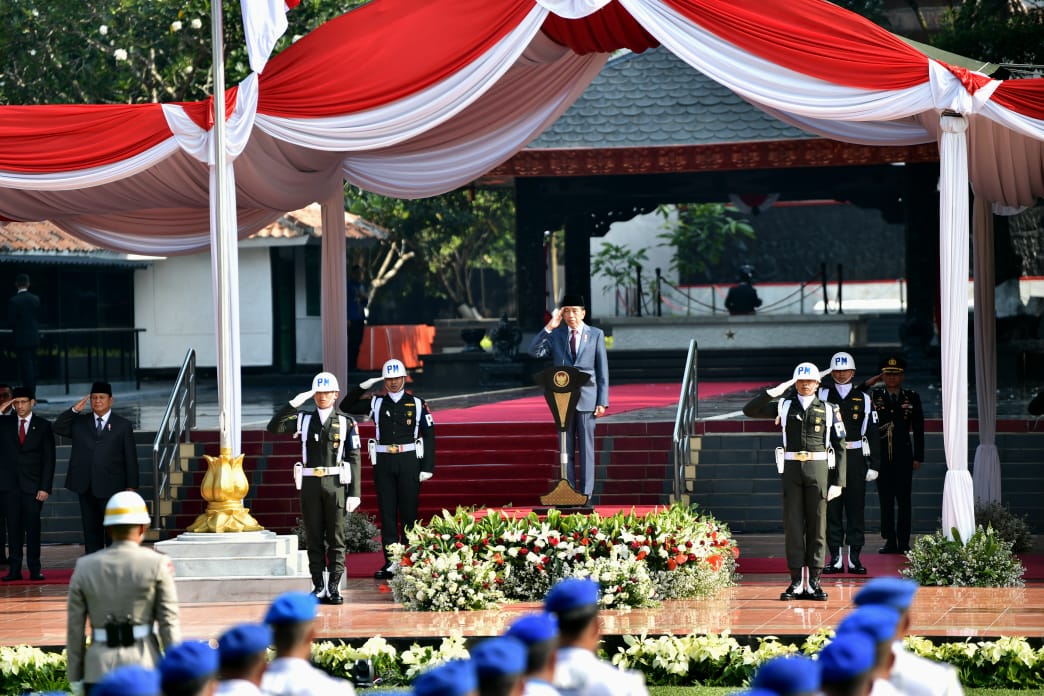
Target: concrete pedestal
<point x="245" y="566"/>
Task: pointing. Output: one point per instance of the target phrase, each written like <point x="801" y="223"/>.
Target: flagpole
<point x="225" y="484"/>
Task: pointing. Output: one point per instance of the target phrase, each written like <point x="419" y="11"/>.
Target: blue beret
<point x="847" y="656"/>
<point x="500" y="655"/>
<point x="186" y="661"/>
<point x="875" y="620"/>
<point x="790" y="674"/>
<point x="897" y="593"/>
<point x="571" y="593"/>
<point x="130" y="680"/>
<point x="534" y="628"/>
<point x="244" y="640"/>
<point x="456" y="678"/>
<point x="292" y="607"/>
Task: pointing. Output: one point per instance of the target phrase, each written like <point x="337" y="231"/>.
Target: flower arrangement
<point x="26" y="669"/>
<point x="985" y="560"/>
<point x="462" y="561"/>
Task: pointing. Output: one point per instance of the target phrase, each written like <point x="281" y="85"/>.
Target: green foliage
<point x="985" y="560"/>
<point x="360" y="534"/>
<point x="25" y="669"/>
<point x="700" y="236"/>
<point x="1006" y="524"/>
<point x="999" y="31"/>
<point x="616" y="263"/>
<point x="453" y="235"/>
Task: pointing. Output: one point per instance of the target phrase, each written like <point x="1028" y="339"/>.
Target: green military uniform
<point x="399" y="424"/>
<point x="860" y="421"/>
<point x="326" y="448"/>
<point x="122" y="583"/>
<point x="805" y="483"/>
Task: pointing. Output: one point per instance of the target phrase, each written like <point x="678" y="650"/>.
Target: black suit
<point x="100" y="465"/>
<point x="23" y="316"/>
<point x="25" y="469"/>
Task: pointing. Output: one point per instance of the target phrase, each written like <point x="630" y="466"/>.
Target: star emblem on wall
<point x="730" y="334"/>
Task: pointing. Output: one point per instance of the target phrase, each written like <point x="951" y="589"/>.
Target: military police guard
<point x="402" y="453"/>
<point x="845" y="514"/>
<point x="811" y="463"/>
<point x="899" y="413"/>
<point x="328" y="477"/>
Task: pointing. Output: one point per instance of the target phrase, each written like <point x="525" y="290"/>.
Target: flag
<point x="264" y="21"/>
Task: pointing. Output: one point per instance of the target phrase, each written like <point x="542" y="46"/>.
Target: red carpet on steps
<point x="622" y="398"/>
<point x="52" y="576"/>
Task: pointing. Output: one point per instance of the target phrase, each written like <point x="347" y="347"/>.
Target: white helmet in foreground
<point x="126" y="507"/>
<point x="842" y="361"/>
<point x="806" y="370"/>
<point x="393" y="369"/>
<point x="325" y="382"/>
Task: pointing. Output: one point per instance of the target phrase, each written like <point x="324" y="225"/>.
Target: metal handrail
<point x="179" y="419"/>
<point x="685" y="421"/>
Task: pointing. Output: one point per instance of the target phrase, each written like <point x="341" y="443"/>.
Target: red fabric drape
<point x="605" y="31"/>
<point x="1022" y="96"/>
<point x="382" y="52"/>
<point x="63" y="137"/>
<point x="814" y="38"/>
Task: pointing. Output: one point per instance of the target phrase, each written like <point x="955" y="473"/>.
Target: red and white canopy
<point x="414" y="99"/>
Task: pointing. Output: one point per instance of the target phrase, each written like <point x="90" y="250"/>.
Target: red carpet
<point x="622" y="398"/>
<point x="53" y="576"/>
<point x="876" y="565"/>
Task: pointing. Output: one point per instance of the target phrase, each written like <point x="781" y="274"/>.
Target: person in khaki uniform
<point x="127" y="593"/>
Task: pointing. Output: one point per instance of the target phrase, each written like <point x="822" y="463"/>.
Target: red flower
<point x="553" y="541"/>
<point x="585" y="541"/>
<point x="641" y="555"/>
<point x="458" y="545"/>
<point x="523" y="551"/>
<point x="715" y="562"/>
<point x="671" y="565"/>
<point x="735" y="552"/>
<point x="681" y="558"/>
<point x="406" y="562"/>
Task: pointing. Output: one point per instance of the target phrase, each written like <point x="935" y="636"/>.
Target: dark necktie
<point x="98" y="430"/>
<point x="572" y="344"/>
<point x="21" y="433"/>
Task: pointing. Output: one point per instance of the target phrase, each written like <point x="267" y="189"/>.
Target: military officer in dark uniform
<point x="811" y="464"/>
<point x="402" y="452"/>
<point x="899" y="413"/>
<point x="328" y="477"/>
<point x="845" y="518"/>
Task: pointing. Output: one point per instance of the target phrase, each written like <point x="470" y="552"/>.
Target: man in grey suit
<point x="582" y="347"/>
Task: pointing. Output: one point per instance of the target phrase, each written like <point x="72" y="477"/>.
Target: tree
<point x="700" y="236"/>
<point x="453" y="236"/>
<point x="1000" y="31"/>
<point x="616" y="263"/>
<point x="127" y="51"/>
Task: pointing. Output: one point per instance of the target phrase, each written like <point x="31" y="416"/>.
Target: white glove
<point x="302" y="398"/>
<point x="833" y="492"/>
<point x="351" y="503"/>
<point x="368" y="384"/>
<point x="777" y="391"/>
<point x="871" y="475"/>
<point x="76" y="688"/>
<point x="425" y="475"/>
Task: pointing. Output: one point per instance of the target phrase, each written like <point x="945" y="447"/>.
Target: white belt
<point x="853" y="444"/>
<point x="805" y="456"/>
<point x="139" y="631"/>
<point x="395" y="449"/>
<point x="321" y="471"/>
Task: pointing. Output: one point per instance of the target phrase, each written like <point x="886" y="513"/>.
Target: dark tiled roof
<point x="654" y="98"/>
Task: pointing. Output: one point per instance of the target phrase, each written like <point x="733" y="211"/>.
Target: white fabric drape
<point x="958" y="503"/>
<point x="986" y="474"/>
<point x="334" y="302"/>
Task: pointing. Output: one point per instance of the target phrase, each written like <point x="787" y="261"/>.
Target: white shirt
<point x="237" y="687"/>
<point x="913" y="675"/>
<point x="104" y="419"/>
<point x="843" y="389"/>
<point x="579" y="672"/>
<point x="538" y="687"/>
<point x="292" y="676"/>
<point x="324" y="413"/>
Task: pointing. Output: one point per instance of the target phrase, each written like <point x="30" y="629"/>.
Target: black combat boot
<point x="796" y="588"/>
<point x="815" y="592"/>
<point x="835" y="565"/>
<point x="333" y="593"/>
<point x="854" y="564"/>
<point x="318" y="586"/>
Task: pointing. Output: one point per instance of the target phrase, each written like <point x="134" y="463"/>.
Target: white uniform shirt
<point x="914" y="675"/>
<point x="883" y="687"/>
<point x="579" y="672"/>
<point x="292" y="676"/>
<point x="237" y="687"/>
<point x="539" y="687"/>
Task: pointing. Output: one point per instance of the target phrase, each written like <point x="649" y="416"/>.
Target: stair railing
<point x="178" y="420"/>
<point x="685" y="422"/>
